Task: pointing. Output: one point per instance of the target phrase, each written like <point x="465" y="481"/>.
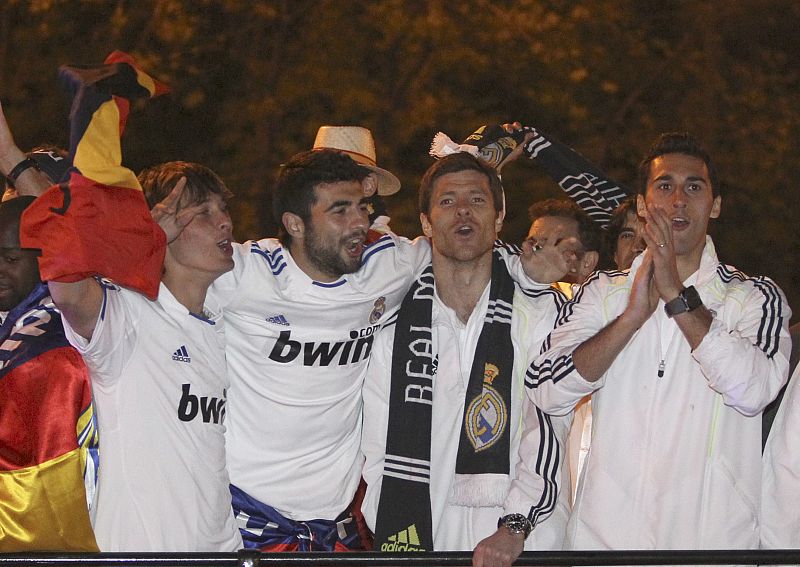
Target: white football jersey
<point x="297" y="354"/>
<point x="159" y="382"/>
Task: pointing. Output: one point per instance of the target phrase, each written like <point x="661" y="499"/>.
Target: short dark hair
<point x="618" y="219"/>
<point x="588" y="231"/>
<point x="298" y="178"/>
<point x="455" y="163"/>
<point x="677" y="143"/>
<point x="11" y="210"/>
<point x="158" y="181"/>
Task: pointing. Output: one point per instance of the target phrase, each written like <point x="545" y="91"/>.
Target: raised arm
<point x="80" y="304"/>
<point x="20" y="171"/>
<point x="581" y="180"/>
<point x="595" y="356"/>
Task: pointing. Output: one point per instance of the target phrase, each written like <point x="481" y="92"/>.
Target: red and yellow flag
<point x="97" y="222"/>
<point x="48" y="433"/>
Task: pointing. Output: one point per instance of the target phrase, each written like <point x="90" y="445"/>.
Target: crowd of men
<point x="168" y="389"/>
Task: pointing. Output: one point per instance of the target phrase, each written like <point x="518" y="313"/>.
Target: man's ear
<point x="370" y="184"/>
<point x="498" y="222"/>
<point x="716" y="207"/>
<point x="294" y="225"/>
<point x="641" y="206"/>
<point x="426" y="225"/>
<point x="589" y="261"/>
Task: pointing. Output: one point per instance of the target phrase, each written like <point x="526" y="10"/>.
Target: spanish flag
<point x="48" y="433"/>
<point x="97" y="221"/>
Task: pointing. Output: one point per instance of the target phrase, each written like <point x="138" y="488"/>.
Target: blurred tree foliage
<point x="253" y="80"/>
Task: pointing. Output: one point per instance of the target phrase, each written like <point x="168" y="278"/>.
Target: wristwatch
<point x="516" y="524"/>
<point x="17" y="170"/>
<point x="687" y="300"/>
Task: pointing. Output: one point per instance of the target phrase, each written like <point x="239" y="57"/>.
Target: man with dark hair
<point x="677" y="143"/>
<point x="559" y="219"/>
<point x="294" y="202"/>
<point x="556" y="219"/>
<point x="48" y="433"/>
<point x="624" y="235"/>
<point x="201" y="183"/>
<point x="301" y="316"/>
<point x="681" y="354"/>
<point x="460" y="162"/>
<point x="479" y="451"/>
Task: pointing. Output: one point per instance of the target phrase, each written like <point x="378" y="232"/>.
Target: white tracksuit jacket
<point x="675" y="461"/>
<point x="780" y="514"/>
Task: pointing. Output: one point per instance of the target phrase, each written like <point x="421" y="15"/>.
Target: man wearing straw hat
<point x="301" y="314"/>
<point x="357" y="142"/>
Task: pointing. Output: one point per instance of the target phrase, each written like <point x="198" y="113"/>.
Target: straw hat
<point x="357" y="142"/>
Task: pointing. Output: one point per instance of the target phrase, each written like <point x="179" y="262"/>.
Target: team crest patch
<point x="378" y="309"/>
<point x="486" y="415"/>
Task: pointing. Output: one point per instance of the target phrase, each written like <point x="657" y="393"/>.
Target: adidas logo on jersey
<point x="404" y="540"/>
<point x="278" y="320"/>
<point x="181" y="355"/>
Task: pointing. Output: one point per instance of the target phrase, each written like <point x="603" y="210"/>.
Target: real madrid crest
<point x="378" y="309"/>
<point x="486" y="415"/>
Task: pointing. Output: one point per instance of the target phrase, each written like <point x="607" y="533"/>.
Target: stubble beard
<point x="327" y="258"/>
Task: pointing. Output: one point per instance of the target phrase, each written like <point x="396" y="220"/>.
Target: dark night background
<point x="252" y="81"/>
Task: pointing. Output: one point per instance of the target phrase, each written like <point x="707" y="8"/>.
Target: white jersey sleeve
<point x="553" y="382"/>
<point x="512" y="256"/>
<point x="114" y="338"/>
<point x="745" y="356"/>
<point x="537" y="485"/>
<point x="534" y="488"/>
<point x="224" y="289"/>
<point x="376" y="421"/>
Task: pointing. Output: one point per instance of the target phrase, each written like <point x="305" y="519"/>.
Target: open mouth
<point x="464" y="230"/>
<point x="679" y="223"/>
<point x="225" y="246"/>
<point x="354" y="246"/>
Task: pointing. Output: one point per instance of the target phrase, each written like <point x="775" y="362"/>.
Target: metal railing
<point x="444" y="559"/>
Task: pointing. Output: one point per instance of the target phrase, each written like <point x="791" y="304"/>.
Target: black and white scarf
<point x="581" y="180"/>
<point x="404" y="512"/>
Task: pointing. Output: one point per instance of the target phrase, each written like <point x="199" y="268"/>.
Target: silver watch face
<point x="516" y="523"/>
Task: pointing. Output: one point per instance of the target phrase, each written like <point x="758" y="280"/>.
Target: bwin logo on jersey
<point x="212" y="410"/>
<point x="181" y="355"/>
<point x="340" y="353"/>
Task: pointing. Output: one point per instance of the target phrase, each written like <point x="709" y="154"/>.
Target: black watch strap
<point x="687" y="300"/>
<point x="19" y="169"/>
